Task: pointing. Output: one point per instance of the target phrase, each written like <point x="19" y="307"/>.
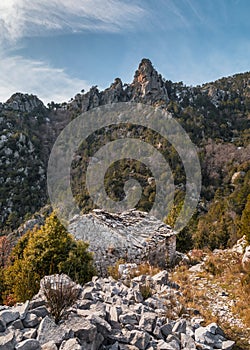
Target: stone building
<point x="133" y="236"/>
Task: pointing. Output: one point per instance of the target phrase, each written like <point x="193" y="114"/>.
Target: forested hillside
<point x="215" y="115"/>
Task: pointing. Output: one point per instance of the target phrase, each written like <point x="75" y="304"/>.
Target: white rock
<point x="49" y="346"/>
<point x="70" y="344"/>
<point x="139" y="339"/>
<point x="227" y="345"/>
<point x="7" y="341"/>
<point x="29" y="344"/>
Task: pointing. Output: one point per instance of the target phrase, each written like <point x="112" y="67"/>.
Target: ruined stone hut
<point x="132" y="235"/>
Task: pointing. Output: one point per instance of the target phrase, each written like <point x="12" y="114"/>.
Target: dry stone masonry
<point x="133" y="236"/>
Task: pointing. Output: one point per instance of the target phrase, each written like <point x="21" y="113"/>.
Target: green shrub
<point x="45" y="251"/>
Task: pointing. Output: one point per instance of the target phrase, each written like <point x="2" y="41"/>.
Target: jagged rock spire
<point x="148" y="82"/>
<point x="145" y="71"/>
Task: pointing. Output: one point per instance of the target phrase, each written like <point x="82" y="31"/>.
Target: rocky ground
<point x="215" y="287"/>
<point x="141" y="313"/>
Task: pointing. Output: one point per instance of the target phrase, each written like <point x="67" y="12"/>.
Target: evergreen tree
<point x="44" y="251"/>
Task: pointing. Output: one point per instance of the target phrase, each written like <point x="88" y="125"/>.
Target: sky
<point x="56" y="48"/>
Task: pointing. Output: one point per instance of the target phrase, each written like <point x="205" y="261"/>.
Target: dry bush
<point x="113" y="270"/>
<point x="146" y="291"/>
<point x="213" y="264"/>
<point x="196" y="256"/>
<point x="60" y="295"/>
<point x="146" y="269"/>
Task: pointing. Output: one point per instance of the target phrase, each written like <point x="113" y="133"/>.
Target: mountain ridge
<point x="216" y="116"/>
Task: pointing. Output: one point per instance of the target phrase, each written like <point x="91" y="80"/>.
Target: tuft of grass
<point x="146" y="291"/>
<point x="142" y="269"/>
<point x="195" y="256"/>
<point x="145" y="269"/>
<point x="113" y="270"/>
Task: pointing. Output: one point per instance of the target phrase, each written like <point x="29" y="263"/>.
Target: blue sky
<point x="55" y="48"/>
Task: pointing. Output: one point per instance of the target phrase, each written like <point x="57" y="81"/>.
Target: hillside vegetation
<point x="216" y="116"/>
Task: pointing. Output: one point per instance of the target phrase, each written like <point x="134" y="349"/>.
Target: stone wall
<point x="132" y="236"/>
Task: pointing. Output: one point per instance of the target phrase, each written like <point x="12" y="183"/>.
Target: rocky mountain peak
<point x="145" y="71"/>
<point x="23" y="102"/>
<point x="148" y="83"/>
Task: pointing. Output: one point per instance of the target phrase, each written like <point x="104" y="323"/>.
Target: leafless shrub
<point x="60" y="294"/>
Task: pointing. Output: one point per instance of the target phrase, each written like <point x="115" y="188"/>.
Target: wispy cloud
<point x="38" y="78"/>
<point x="177" y="11"/>
<point x="25" y="18"/>
<point x="195" y="10"/>
<point x="20" y="18"/>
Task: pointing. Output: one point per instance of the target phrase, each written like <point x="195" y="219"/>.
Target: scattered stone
<point x="9" y="315"/>
<point x="23" y="309"/>
<point x="174" y="342"/>
<point x="202" y="335"/>
<point x="227" y="345"/>
<point x="161" y="278"/>
<point x="48" y="330"/>
<point x="70" y="344"/>
<point x="187" y="341"/>
<point x="128" y="318"/>
<point x="2" y="325"/>
<point x="113" y="317"/>
<point x="166" y="329"/>
<point x="180" y="326"/>
<point x="28" y="344"/>
<point x="36" y="302"/>
<point x="214" y="329"/>
<point x="246" y="259"/>
<point x="40" y="311"/>
<point x="7" y="341"/>
<point x="88" y="293"/>
<point x="49" y="346"/>
<point x="31" y="333"/>
<point x="83" y="329"/>
<point x="148" y="321"/>
<point x="139" y="339"/>
<point x="17" y="324"/>
<point x="31" y="320"/>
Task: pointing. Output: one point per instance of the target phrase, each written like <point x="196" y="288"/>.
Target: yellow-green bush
<point x="44" y="251"/>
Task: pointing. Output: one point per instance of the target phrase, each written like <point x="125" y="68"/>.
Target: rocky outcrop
<point x="147" y="87"/>
<point x="111" y="315"/>
<point x="133" y="236"/>
<point x="23" y="103"/>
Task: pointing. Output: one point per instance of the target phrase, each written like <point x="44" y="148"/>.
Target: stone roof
<point x="119" y="230"/>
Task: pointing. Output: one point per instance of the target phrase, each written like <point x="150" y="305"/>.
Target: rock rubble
<point x="109" y="314"/>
